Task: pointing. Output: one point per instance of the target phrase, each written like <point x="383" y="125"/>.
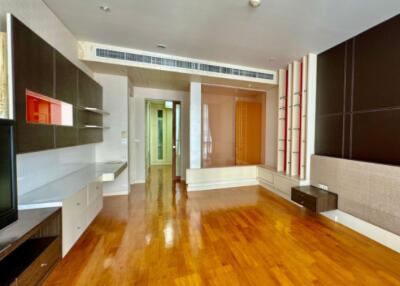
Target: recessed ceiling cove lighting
<point x="254" y="3"/>
<point x="161" y="46"/>
<point x="104" y="8"/>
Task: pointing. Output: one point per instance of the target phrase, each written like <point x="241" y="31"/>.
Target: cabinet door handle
<point x="43" y="265"/>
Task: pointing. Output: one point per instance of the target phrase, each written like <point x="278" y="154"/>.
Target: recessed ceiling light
<point x="161" y="46"/>
<point x="104" y="8"/>
<point x="254" y="3"/>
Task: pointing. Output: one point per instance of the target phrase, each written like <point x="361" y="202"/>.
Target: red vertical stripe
<point x="300" y="125"/>
<point x="286" y="120"/>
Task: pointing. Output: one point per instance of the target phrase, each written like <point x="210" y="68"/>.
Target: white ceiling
<point x="229" y="31"/>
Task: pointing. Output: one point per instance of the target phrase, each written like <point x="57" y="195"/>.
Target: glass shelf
<point x="94" y="110"/>
<point x="93" y="127"/>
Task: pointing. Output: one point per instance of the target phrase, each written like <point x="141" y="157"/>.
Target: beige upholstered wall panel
<point x="366" y="190"/>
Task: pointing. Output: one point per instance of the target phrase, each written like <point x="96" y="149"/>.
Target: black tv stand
<point x="30" y="247"/>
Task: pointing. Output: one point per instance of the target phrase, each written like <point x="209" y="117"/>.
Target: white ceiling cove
<point x="227" y="31"/>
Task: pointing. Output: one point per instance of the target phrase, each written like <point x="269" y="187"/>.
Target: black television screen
<point x="8" y="189"/>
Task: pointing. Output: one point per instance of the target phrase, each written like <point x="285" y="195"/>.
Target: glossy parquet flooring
<point x="240" y="236"/>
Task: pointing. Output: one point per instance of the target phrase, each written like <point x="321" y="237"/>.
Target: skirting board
<point x="139" y="182"/>
<point x="221" y="185"/>
<point x="371" y="231"/>
<point x="123" y="193"/>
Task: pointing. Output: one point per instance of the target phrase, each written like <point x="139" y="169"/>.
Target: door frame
<point x="175" y="103"/>
<point x="147" y="135"/>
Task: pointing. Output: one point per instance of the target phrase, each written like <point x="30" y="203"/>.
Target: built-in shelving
<point x="93" y="127"/>
<point x="292" y="119"/>
<point x="94" y="110"/>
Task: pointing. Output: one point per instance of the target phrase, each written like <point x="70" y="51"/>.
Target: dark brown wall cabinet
<point x="40" y="68"/>
<point x="33" y="69"/>
<point x="90" y="95"/>
<point x="66" y="89"/>
<point x="358" y="97"/>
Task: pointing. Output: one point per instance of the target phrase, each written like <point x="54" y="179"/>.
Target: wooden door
<point x="248" y="133"/>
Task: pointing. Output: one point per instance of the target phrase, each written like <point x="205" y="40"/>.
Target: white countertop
<point x="54" y="193"/>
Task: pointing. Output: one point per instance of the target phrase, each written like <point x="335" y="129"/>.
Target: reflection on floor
<point x="238" y="236"/>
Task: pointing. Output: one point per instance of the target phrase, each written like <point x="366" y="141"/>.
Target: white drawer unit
<point x="78" y="211"/>
<point x="95" y="190"/>
<point x="277" y="182"/>
<point x="76" y="204"/>
<point x="265" y="174"/>
<point x="94" y="208"/>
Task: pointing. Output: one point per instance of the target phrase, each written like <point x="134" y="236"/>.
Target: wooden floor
<point x="240" y="236"/>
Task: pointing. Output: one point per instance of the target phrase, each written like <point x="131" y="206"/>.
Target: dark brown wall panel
<point x="346" y="148"/>
<point x="369" y="104"/>
<point x="377" y="67"/>
<point x="90" y="94"/>
<point x="330" y="80"/>
<point x="40" y="68"/>
<point x="328" y="135"/>
<point x="33" y="70"/>
<point x="66" y="89"/>
<point x="376" y="137"/>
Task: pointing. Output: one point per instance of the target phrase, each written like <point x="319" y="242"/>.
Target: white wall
<point x="36" y="169"/>
<point x="195" y="125"/>
<point x="271" y="140"/>
<point x="115" y="139"/>
<point x="140" y="95"/>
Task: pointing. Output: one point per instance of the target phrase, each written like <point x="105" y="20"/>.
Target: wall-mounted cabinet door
<point x="85" y="90"/>
<point x="33" y="70"/>
<point x="98" y="95"/>
<point x="66" y="90"/>
<point x="90" y="94"/>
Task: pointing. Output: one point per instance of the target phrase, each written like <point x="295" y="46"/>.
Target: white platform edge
<point x="123" y="193"/>
<point x="367" y="229"/>
<point x="221" y="185"/>
<point x="40" y="206"/>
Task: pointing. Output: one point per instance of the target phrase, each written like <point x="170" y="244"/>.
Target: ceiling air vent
<point x="190" y="65"/>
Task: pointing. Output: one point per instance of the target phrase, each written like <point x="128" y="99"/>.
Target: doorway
<point x="163" y="136"/>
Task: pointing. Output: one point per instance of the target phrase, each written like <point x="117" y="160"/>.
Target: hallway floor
<point x="238" y="236"/>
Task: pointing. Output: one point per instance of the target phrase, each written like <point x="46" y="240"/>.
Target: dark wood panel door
<point x="90" y="94"/>
<point x="86" y="90"/>
<point x="33" y="70"/>
<point x="66" y="80"/>
<point x="377" y="66"/>
<point x="66" y="90"/>
<point x="376" y="137"/>
<point x="98" y="95"/>
<point x="330" y="80"/>
<point x="329" y="135"/>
